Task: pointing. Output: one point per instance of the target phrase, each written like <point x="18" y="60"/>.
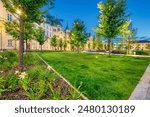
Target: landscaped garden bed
<point x="37" y="82"/>
<point x="102" y="77"/>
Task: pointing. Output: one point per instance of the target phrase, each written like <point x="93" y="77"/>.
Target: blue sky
<point x="87" y="11"/>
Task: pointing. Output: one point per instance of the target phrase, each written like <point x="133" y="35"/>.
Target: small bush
<point x="9" y="54"/>
<point x="119" y="52"/>
<point x="100" y="50"/>
<point x="141" y="52"/>
<point x="8" y="60"/>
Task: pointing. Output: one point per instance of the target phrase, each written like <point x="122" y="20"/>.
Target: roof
<point x="143" y="41"/>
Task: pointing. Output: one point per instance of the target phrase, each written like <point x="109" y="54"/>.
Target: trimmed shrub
<point x="100" y="50"/>
<point x="141" y="52"/>
<point x="119" y="52"/>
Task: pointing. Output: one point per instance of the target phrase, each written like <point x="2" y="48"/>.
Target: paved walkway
<point x="117" y="54"/>
<point x="148" y="93"/>
<point x="142" y="90"/>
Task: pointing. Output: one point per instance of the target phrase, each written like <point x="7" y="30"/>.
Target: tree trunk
<point x="129" y="47"/>
<point x="78" y="48"/>
<point x="15" y="45"/>
<point x="21" y="44"/>
<point x="109" y="49"/>
<point x="26" y="45"/>
<point x="41" y="48"/>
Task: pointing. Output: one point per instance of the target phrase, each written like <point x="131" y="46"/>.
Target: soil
<point x="61" y="85"/>
<point x="17" y="94"/>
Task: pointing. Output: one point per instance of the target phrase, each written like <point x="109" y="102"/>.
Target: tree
<point x="120" y="46"/>
<point x="65" y="44"/>
<point x="128" y="34"/>
<point x="89" y="45"/>
<point x="148" y="47"/>
<point x="112" y="16"/>
<point x="54" y="41"/>
<point x="54" y="21"/>
<point x="40" y="36"/>
<point x="94" y="43"/>
<point x="99" y="45"/>
<point x="60" y="44"/>
<point x="12" y="28"/>
<point x="25" y="10"/>
<point x="78" y="34"/>
<point x="72" y="43"/>
<point x="29" y="33"/>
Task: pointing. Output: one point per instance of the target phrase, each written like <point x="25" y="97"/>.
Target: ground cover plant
<point x="35" y="83"/>
<point x="102" y="77"/>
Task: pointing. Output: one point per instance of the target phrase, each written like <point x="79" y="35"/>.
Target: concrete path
<point x="142" y="90"/>
<point x="142" y="56"/>
<point x="148" y="93"/>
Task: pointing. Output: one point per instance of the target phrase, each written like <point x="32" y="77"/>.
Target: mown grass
<point x="102" y="77"/>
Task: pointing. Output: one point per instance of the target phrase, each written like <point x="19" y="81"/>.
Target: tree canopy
<point x="29" y="9"/>
<point x="78" y="34"/>
<point x="112" y="17"/>
<point x="26" y="11"/>
<point x="128" y="34"/>
<point x="40" y="36"/>
<point x="54" y="41"/>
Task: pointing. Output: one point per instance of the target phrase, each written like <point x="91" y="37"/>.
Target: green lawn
<point x="102" y="77"/>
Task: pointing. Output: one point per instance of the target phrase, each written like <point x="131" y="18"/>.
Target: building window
<point x="58" y="29"/>
<point x="44" y="32"/>
<point x="10" y="43"/>
<point x="9" y="17"/>
<point x="54" y="30"/>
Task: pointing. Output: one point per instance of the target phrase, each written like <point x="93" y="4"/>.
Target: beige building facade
<point x="8" y="43"/>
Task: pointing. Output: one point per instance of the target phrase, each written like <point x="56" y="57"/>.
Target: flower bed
<point x="35" y="83"/>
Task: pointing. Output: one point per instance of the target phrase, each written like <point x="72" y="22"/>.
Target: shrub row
<point x="141" y="52"/>
<point x="119" y="52"/>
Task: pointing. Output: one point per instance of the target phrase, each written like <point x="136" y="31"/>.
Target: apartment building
<point x="8" y="43"/>
<point x="60" y="34"/>
<point x="140" y="45"/>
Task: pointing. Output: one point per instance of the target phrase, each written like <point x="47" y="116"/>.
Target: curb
<point x="141" y="92"/>
<point x="51" y="68"/>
